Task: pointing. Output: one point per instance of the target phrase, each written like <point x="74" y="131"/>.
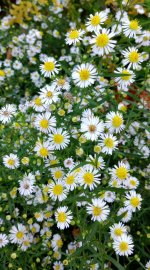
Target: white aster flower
<point x="26" y="186"/>
<point x="125" y="78"/>
<point x="49" y="94"/>
<point x="123" y="245"/>
<point x="95" y="21"/>
<point x="17" y="233"/>
<point x="131" y="28"/>
<point x="147" y="266"/>
<point x="45" y="122"/>
<point x="59" y="139"/>
<point x="114" y="122"/>
<point x="3" y="240"/>
<point x="133" y="201"/>
<point x="132" y="58"/>
<point x="50" y="67"/>
<point x="120" y="172"/>
<point x="98" y="209"/>
<point x="88" y="177"/>
<point x="117" y="230"/>
<point x="7" y="112"/>
<point x="63" y="217"/>
<point x="43" y="149"/>
<point x="74" y="36"/>
<point x="58" y="191"/>
<point x="11" y="161"/>
<point x="92" y="127"/>
<point x="127" y="214"/>
<point x="108" y="143"/>
<point x="103" y="44"/>
<point x="84" y="75"/>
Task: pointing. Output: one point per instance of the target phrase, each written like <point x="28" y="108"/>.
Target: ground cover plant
<point x="74" y="163"/>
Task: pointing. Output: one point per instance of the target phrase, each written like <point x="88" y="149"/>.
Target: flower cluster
<point x="74" y="144"/>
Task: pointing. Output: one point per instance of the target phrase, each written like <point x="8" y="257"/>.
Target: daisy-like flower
<point x="97" y="162"/>
<point x="92" y="127"/>
<point x="7" y="112"/>
<point x="11" y="161"/>
<point x="103" y="44"/>
<point x="74" y="36"/>
<point x="133" y="201"/>
<point x="49" y="94"/>
<point x="109" y="196"/>
<point x="26" y="186"/>
<point x="70" y="181"/>
<point x="58" y="266"/>
<point x="57" y="191"/>
<point x="38" y="105"/>
<point x="17" y="233"/>
<point x="132" y="58"/>
<point x="131" y="28"/>
<point x="95" y="21"/>
<point x="84" y="75"/>
<point x="120" y="172"/>
<point x="3" y="240"/>
<point x="43" y="149"/>
<point x="62" y="83"/>
<point x="59" y="139"/>
<point x="57" y="173"/>
<point x="123" y="245"/>
<point x="114" y="122"/>
<point x="63" y="217"/>
<point x="69" y="163"/>
<point x="117" y="230"/>
<point x="108" y="143"/>
<point x="127" y="214"/>
<point x="50" y="67"/>
<point x="147" y="266"/>
<point x="125" y="78"/>
<point x="132" y="182"/>
<point x="98" y="209"/>
<point x="56" y="242"/>
<point x="45" y="122"/>
<point x="88" y="177"/>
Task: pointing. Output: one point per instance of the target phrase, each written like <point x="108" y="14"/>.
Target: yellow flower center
<point x="102" y="40"/>
<point x="49" y="94"/>
<point x="123" y="246"/>
<point x="97" y="210"/>
<point x="33" y="230"/>
<point x="70" y="179"/>
<point x="121" y="173"/>
<point x="118" y="231"/>
<point x="135" y="201"/>
<point x="59" y="243"/>
<point x="58" y="138"/>
<point x="133" y="57"/>
<point x="43" y="152"/>
<point x="26" y="243"/>
<point x="11" y="162"/>
<point x="19" y="235"/>
<point x="117" y="121"/>
<point x="133" y="182"/>
<point x="37" y="101"/>
<point x="49" y="66"/>
<point x="109" y="142"/>
<point x="95" y="20"/>
<point x="57" y="267"/>
<point x="84" y="74"/>
<point x="88" y="178"/>
<point x="73" y="34"/>
<point x="126" y="75"/>
<point x="61" y="81"/>
<point x="58" y="174"/>
<point x="145" y="38"/>
<point x="2" y="73"/>
<point x="134" y="25"/>
<point x="57" y="190"/>
<point x="44" y="123"/>
<point x="61" y="217"/>
<point x="53" y="162"/>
